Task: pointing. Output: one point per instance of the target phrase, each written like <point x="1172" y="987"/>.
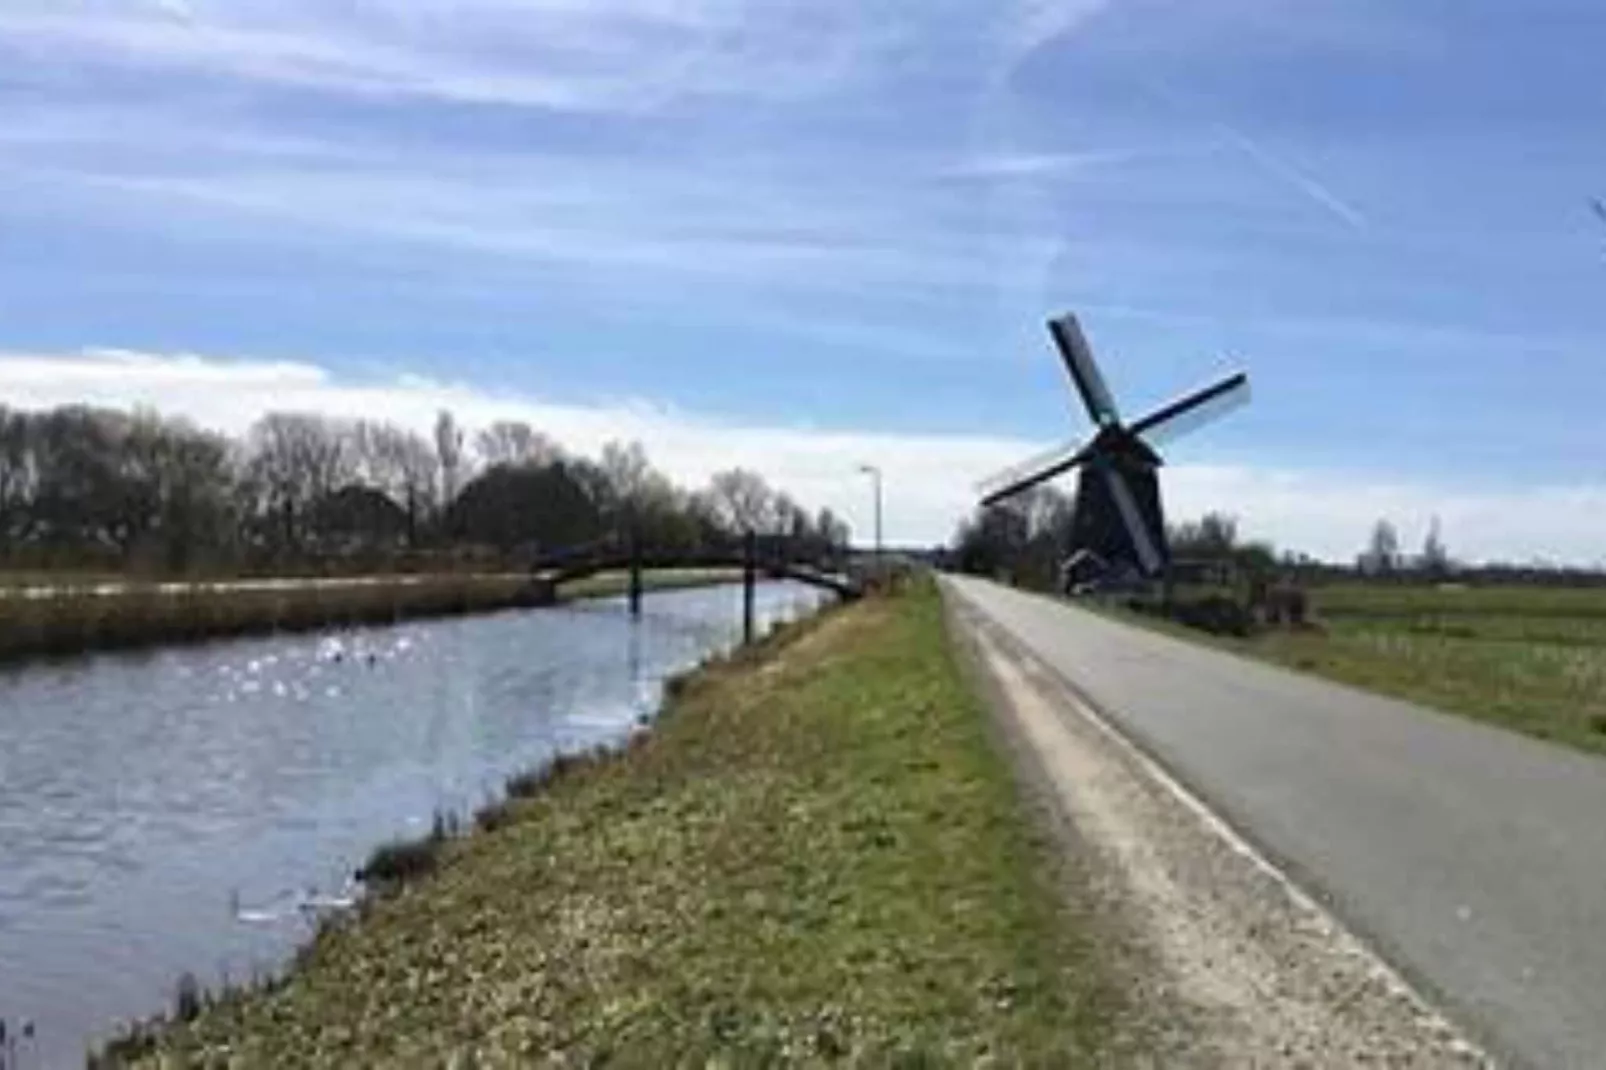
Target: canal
<point x="191" y="809"/>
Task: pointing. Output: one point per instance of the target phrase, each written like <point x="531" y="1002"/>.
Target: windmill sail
<point x="1132" y="518"/>
<point x="1084" y="370"/>
<point x="1038" y="469"/>
<point x="1192" y="412"/>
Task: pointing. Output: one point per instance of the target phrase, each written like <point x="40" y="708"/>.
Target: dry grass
<point x="144" y="615"/>
<point x="816" y="857"/>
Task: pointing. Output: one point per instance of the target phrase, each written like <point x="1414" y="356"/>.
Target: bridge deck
<point x="557" y="569"/>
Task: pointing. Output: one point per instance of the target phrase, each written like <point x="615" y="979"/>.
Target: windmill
<point x="1118" y="521"/>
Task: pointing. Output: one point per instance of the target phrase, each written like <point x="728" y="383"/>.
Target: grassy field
<point x="816" y="856"/>
<point x="1529" y="658"/>
<point x="78" y="621"/>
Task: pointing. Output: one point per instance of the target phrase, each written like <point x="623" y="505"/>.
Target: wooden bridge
<point x="754" y="557"/>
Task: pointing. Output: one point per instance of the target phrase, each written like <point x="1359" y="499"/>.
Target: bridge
<point x="772" y="558"/>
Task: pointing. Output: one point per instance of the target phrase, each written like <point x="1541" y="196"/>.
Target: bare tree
<point x="831" y="530"/>
<point x="81" y="485"/>
<point x="296" y="459"/>
<point x="18" y="475"/>
<point x="627" y="470"/>
<point x="195" y="496"/>
<point x="787" y="518"/>
<point x="79" y="500"/>
<point x="741" y="500"/>
<point x="449" y="455"/>
<point x="515" y="442"/>
<point x="1213" y="537"/>
<point x="1382" y="553"/>
<point x="1435" y="557"/>
<point x="400" y="464"/>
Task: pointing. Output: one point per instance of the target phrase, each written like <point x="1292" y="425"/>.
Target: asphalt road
<point x="1474" y="860"/>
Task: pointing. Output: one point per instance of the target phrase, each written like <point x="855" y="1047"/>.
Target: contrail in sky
<point x="1264" y="158"/>
<point x="1286" y="171"/>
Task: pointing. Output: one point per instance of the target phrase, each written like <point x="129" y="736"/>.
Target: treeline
<point x="1026" y="539"/>
<point x="93" y="488"/>
<point x="1384" y="560"/>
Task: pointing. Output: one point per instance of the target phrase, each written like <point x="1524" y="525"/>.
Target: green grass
<point x="817" y="855"/>
<point x="1527" y="658"/>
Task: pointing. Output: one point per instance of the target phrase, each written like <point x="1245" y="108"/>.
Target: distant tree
<point x="1213" y="537"/>
<point x="1256" y="558"/>
<point x="1435" y="557"/>
<point x="296" y="459"/>
<point x="832" y="532"/>
<point x="742" y="500"/>
<point x="1382" y="553"/>
<point x="788" y="519"/>
<point x="356" y="516"/>
<point x="992" y="542"/>
<point x="703" y="517"/>
<point x="18" y="476"/>
<point x="626" y="477"/>
<point x="401" y="465"/>
<point x="515" y="442"/>
<point x="80" y="497"/>
<point x="82" y="486"/>
<point x="449" y="455"/>
<point x="191" y="492"/>
<point x="514" y="507"/>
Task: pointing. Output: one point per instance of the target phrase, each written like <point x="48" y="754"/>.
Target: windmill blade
<point x="1084" y="370"/>
<point x="1032" y="471"/>
<point x="1169" y="422"/>
<point x="1132" y="517"/>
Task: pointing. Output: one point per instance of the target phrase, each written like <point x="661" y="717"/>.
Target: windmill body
<point x="1118" y="528"/>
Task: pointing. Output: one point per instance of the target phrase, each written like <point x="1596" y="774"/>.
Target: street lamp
<point x="875" y="473"/>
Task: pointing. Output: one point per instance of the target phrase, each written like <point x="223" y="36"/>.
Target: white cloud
<point x="929" y="477"/>
<point x="1037" y="23"/>
<point x="610" y="55"/>
<point x="1004" y="165"/>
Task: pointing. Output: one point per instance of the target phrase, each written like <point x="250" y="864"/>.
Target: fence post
<point x="749" y="578"/>
<point x="635" y="575"/>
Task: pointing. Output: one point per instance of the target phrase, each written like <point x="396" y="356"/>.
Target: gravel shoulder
<point x="1236" y="965"/>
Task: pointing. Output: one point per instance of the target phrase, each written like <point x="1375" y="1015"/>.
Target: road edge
<point x="969" y="625"/>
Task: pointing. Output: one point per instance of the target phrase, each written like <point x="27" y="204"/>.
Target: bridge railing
<point x="755" y="555"/>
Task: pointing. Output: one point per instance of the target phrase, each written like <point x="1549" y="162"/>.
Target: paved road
<point x="1473" y="859"/>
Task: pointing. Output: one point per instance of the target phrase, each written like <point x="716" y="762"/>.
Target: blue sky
<point x="824" y="228"/>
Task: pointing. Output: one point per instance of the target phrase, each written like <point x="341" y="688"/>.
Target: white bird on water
<point x="308" y="903"/>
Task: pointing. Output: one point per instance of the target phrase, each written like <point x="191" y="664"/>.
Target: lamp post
<point x="875" y="473"/>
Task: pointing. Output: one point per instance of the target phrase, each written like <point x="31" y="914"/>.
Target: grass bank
<point x="816" y="855"/>
<point x="1531" y="659"/>
<point x="76" y="621"/>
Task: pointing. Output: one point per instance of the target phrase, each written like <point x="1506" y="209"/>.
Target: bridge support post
<point x="635" y="577"/>
<point x="749" y="580"/>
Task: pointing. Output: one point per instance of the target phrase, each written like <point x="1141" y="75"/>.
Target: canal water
<point x="191" y="809"/>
